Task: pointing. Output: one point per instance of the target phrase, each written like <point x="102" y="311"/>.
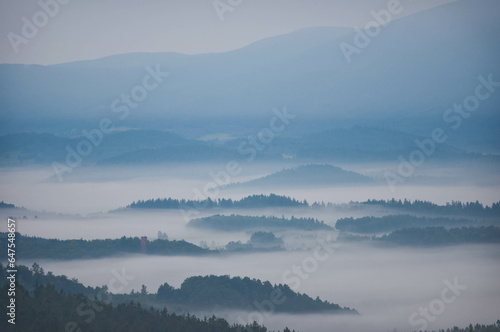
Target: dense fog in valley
<point x="250" y="166"/>
<point x="95" y="190"/>
<point x="385" y="286"/>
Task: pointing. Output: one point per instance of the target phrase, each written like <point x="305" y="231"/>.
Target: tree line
<point x="242" y="293"/>
<point x="455" y="207"/>
<point x="393" y="222"/>
<point x="47" y="309"/>
<point x="36" y="247"/>
<point x="254" y="201"/>
<point x="431" y="236"/>
<point x="235" y="222"/>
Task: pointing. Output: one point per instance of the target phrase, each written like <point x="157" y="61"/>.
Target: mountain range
<point x="432" y="64"/>
<point x="308" y="175"/>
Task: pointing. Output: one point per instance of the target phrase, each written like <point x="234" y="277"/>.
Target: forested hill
<point x="472" y="209"/>
<point x="199" y="292"/>
<point x="36" y="247"/>
<point x="238" y="223"/>
<point x="431" y="237"/>
<point x="454" y="208"/>
<point x="242" y="293"/>
<point x="440" y="236"/>
<point x="254" y="201"/>
<point x="393" y="222"/>
<point x="4" y="205"/>
<point x="47" y="310"/>
<point x="28" y="278"/>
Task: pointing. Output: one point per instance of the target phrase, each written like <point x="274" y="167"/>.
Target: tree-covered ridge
<point x="265" y="238"/>
<point x="36" y="247"/>
<point x="49" y="310"/>
<point x="30" y="277"/>
<point x="432" y="236"/>
<point x="4" y="205"/>
<point x="259" y="241"/>
<point x="195" y="293"/>
<point x="242" y="293"/>
<point x="254" y="201"/>
<point x="455" y="207"/>
<point x="308" y="175"/>
<point x="471" y="328"/>
<point x="393" y="222"/>
<point x="238" y="223"/>
<point x="475" y="209"/>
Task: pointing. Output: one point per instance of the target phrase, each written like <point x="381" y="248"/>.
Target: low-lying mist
<point x="100" y="189"/>
<point x="385" y="285"/>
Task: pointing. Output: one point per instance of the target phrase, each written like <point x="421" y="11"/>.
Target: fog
<point x="100" y="189"/>
<point x="385" y="286"/>
<point x="222" y="100"/>
<point x="144" y="222"/>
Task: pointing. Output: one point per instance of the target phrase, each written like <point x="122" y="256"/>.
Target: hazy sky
<point x="87" y="29"/>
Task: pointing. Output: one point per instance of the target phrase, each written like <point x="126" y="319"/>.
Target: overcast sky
<point x="89" y="29"/>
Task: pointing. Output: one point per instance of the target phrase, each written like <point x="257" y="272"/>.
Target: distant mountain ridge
<point x="120" y="146"/>
<point x="409" y="74"/>
<point x="153" y="146"/>
<point x="308" y="175"/>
